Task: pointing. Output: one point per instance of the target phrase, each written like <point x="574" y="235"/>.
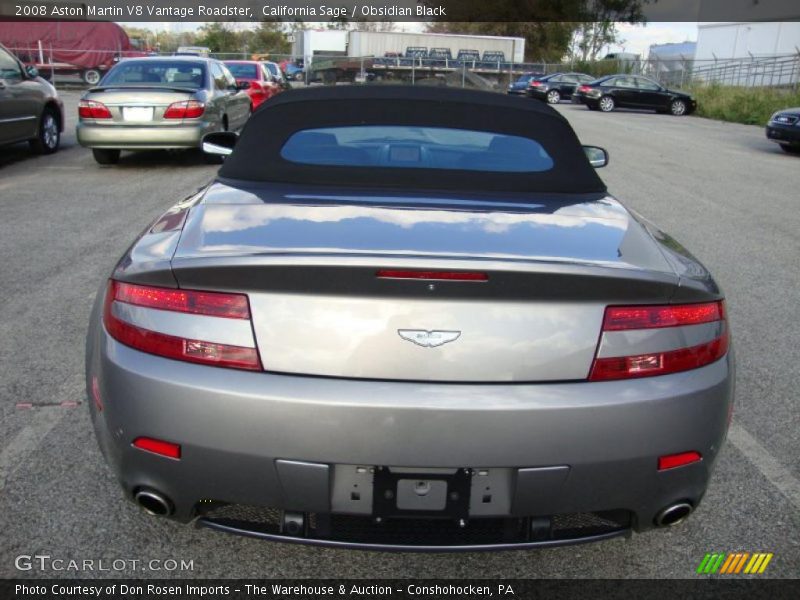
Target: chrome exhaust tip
<point x="673" y="514"/>
<point x="153" y="503"/>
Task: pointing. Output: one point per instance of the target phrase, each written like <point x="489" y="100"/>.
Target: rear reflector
<point x="213" y="304"/>
<point x="187" y="109"/>
<point x="169" y="346"/>
<point x="89" y="109"/>
<point x="440" y="275"/>
<point x="629" y="318"/>
<point x="670" y="461"/>
<point x="618" y="318"/>
<point x="160" y="447"/>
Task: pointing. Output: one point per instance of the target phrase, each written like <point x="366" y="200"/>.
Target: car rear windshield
<point x="157" y="73"/>
<point x="416" y="147"/>
<point x="242" y="71"/>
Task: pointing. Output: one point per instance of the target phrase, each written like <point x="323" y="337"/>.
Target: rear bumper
<point x="235" y="426"/>
<point x="784" y="134"/>
<point x="132" y="137"/>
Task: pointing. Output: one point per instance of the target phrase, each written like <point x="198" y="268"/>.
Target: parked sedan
<point x="387" y="328"/>
<point x="634" y="91"/>
<point x="260" y="83"/>
<point x="160" y="103"/>
<point x="784" y="128"/>
<point x="520" y="86"/>
<point x="556" y="87"/>
<point x="30" y="109"/>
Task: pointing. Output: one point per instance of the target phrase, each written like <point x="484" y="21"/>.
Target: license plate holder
<point x="388" y="485"/>
<point x="137" y="114"/>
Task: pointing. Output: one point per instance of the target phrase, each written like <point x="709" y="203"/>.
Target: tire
<point x="91" y="76"/>
<point x="677" y="108"/>
<point x="49" y="137"/>
<point x="606" y="104"/>
<point x="790" y="149"/>
<point x="553" y="97"/>
<point x="104" y="156"/>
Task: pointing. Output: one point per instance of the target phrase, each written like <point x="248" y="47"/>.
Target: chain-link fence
<point x="420" y="66"/>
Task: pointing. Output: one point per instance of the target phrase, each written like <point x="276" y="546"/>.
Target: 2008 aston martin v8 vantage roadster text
<point x="389" y="324"/>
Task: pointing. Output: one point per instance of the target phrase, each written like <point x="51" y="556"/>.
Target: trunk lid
<point x="139" y="106"/>
<point x="309" y="263"/>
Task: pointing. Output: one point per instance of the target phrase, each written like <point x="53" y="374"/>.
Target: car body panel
<point x="364" y="372"/>
<point x="633" y="91"/>
<point x="22" y="101"/>
<point x="784" y="128"/>
<point x="225" y="108"/>
<point x="564" y="83"/>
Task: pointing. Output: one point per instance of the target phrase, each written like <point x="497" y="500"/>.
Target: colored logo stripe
<point x="733" y="563"/>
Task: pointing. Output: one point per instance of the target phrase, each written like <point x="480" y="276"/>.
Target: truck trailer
<point x="86" y="48"/>
<point x="408" y="56"/>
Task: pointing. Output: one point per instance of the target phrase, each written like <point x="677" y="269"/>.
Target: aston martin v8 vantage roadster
<point x="389" y="324"/>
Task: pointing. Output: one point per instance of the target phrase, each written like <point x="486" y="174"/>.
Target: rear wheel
<point x="678" y="108"/>
<point x="105" y="156"/>
<point x="606" y="104"/>
<point x="91" y="76"/>
<point x="790" y="149"/>
<point x="49" y="136"/>
<point x="553" y="97"/>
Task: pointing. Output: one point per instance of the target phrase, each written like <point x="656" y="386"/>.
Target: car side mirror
<point x="220" y="143"/>
<point x="597" y="156"/>
<point x="32" y="71"/>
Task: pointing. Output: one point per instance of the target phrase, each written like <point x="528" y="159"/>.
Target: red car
<point x="262" y="87"/>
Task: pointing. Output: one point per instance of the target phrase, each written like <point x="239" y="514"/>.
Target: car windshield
<point x="525" y="79"/>
<point x="273" y="68"/>
<point x="416" y="147"/>
<point x="157" y="73"/>
<point x="243" y="70"/>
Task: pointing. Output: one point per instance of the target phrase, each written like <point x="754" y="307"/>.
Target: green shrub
<point x="751" y="106"/>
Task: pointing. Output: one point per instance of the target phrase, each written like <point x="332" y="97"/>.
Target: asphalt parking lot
<point x="721" y="189"/>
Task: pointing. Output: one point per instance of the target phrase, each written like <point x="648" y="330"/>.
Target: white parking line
<point x="18" y="448"/>
<point x="775" y="472"/>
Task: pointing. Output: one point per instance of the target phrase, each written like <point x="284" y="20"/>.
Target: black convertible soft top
<point x="257" y="156"/>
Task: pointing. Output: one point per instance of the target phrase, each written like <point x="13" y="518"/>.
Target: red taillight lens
<point x="627" y="318"/>
<point x="440" y="275"/>
<point x="670" y="461"/>
<point x="160" y="447"/>
<point x="618" y="318"/>
<point x="187" y="109"/>
<point x="143" y="336"/>
<point x="213" y="304"/>
<point x="89" y="109"/>
<point x="536" y="84"/>
<point x="584" y="88"/>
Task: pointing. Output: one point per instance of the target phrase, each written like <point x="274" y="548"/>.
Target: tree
<point x="219" y="38"/>
<point x="270" y="37"/>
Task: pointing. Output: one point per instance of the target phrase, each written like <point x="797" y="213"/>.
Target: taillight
<point x="213" y="329"/>
<point x="536" y="84"/>
<point x="161" y="447"/>
<point x="435" y="275"/>
<point x="584" y="88"/>
<point x="89" y="109"/>
<point x="703" y="340"/>
<point x="186" y="109"/>
<point x="670" y="461"/>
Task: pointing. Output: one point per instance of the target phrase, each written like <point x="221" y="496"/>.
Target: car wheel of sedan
<point x="790" y="149"/>
<point x="104" y="156"/>
<point x="678" y="108"/>
<point x="49" y="136"/>
<point x="607" y="104"/>
<point x="553" y="97"/>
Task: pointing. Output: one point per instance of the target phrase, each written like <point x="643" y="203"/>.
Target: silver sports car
<point x="410" y="318"/>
